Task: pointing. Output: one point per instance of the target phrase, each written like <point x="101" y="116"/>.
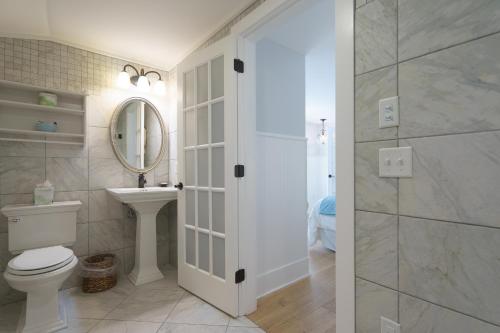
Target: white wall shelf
<point x="20" y="111"/>
<point x="29" y="106"/>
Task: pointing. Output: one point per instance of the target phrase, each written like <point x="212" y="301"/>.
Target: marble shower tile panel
<point x="372" y="302"/>
<point x="372" y="192"/>
<point x="417" y="316"/>
<point x="105" y="236"/>
<point x="451" y="91"/>
<point x="429" y="25"/>
<point x="61" y="150"/>
<point x="26" y="149"/>
<point x="108" y="172"/>
<point x="161" y="172"/>
<point x="375" y="35"/>
<point x="455" y="178"/>
<point x="81" y="246"/>
<point x="68" y="174"/>
<point x="103" y="206"/>
<point x="21" y="174"/>
<point x="100" y="143"/>
<point x="450" y="264"/>
<point x="370" y="88"/>
<point x="377" y="248"/>
<point x="82" y="196"/>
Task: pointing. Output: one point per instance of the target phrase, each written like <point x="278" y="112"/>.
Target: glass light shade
<point x="323" y="138"/>
<point x="159" y="87"/>
<point x="143" y="83"/>
<point x="123" y="80"/>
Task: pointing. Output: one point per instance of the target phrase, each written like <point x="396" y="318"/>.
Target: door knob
<point x="179" y="186"/>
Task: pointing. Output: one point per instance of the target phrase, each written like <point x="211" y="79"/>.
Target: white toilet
<point x="39" y="234"/>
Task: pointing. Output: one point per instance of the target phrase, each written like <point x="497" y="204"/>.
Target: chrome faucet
<point x="142" y="180"/>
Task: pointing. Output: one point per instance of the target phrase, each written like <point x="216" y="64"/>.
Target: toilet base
<point x="51" y="327"/>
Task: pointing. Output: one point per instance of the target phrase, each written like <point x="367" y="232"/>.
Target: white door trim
<point x="345" y="279"/>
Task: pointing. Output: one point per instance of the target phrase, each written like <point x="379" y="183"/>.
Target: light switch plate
<point x="395" y="162"/>
<point x="389" y="326"/>
<point x="388" y="112"/>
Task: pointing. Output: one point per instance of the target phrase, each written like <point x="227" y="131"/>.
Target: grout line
<point x="375" y="70"/>
<point x="431" y="136"/>
<point x="431" y="219"/>
<point x="451" y="46"/>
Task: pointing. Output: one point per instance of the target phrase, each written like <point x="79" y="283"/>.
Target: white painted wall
<point x="320" y="82"/>
<point x="282" y="255"/>
<point x="280" y="89"/>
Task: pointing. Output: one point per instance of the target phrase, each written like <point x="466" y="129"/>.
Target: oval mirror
<point x="138" y="134"/>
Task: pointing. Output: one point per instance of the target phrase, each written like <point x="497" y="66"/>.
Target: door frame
<point x="344" y="73"/>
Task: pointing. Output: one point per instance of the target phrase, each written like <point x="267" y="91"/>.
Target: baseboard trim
<point x="282" y="276"/>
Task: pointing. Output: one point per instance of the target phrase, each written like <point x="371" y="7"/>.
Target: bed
<point x="322" y="227"/>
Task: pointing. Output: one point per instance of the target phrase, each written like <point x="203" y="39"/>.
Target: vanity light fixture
<point x="323" y="134"/>
<point x="140" y="80"/>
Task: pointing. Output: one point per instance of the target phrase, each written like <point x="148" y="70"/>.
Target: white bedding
<point x="322" y="228"/>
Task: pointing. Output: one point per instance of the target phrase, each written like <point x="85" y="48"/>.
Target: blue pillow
<point x="328" y="206"/>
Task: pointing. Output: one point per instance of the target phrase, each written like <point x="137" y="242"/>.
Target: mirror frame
<point x="114" y="143"/>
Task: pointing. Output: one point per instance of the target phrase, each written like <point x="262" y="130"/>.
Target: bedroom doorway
<point x="290" y="65"/>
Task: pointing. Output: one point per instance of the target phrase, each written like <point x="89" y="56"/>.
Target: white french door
<point x="207" y="154"/>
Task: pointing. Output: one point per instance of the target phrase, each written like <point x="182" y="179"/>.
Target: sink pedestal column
<point x="146" y="265"/>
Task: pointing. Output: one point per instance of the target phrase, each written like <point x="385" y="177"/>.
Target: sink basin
<point x="134" y="194"/>
<point x="146" y="202"/>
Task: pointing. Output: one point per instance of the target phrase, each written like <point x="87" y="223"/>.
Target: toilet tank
<point x="32" y="227"/>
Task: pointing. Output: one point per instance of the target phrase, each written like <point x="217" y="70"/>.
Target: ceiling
<point x="158" y="33"/>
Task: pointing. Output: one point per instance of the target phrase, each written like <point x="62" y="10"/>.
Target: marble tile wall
<point x="428" y="247"/>
<point x="104" y="225"/>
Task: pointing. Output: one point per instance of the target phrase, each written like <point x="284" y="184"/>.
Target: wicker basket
<point x="99" y="273"/>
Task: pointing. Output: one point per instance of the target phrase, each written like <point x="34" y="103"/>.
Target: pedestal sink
<point x="146" y="202"/>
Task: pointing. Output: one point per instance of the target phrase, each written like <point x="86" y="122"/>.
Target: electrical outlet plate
<point x="395" y="162"/>
<point x="388" y="112"/>
<point x="389" y="326"/>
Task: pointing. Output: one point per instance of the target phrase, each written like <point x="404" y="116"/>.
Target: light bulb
<point x="159" y="87"/>
<point x="143" y="83"/>
<point x="123" y="80"/>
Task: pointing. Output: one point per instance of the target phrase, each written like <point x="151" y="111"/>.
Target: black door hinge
<point x="239" y="66"/>
<point x="239" y="171"/>
<point x="239" y="276"/>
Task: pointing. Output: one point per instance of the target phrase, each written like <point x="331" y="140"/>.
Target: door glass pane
<point x="190" y="247"/>
<point x="188" y="89"/>
<point x="189" y="128"/>
<point x="218" y="122"/>
<point x="190" y="204"/>
<point x="203" y="252"/>
<point x="202" y="84"/>
<point x="218" y="221"/>
<point x="219" y="257"/>
<point x="217" y="77"/>
<point x="217" y="167"/>
<point x="203" y="218"/>
<point x="203" y="167"/>
<point x="189" y="167"/>
<point x="202" y="125"/>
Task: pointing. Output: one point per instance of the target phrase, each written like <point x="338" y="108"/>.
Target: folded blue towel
<point x="328" y="206"/>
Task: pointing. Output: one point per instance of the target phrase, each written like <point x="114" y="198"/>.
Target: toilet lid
<point x="42" y="260"/>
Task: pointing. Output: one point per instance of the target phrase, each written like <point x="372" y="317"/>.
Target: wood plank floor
<point x="305" y="306"/>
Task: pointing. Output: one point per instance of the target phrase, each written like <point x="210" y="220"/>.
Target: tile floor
<point x="157" y="307"/>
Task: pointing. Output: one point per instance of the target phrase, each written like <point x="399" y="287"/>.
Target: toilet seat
<point x="39" y="261"/>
